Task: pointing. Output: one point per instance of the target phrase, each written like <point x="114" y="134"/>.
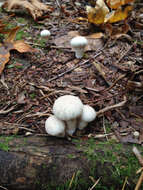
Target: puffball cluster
<point x="69" y="114"/>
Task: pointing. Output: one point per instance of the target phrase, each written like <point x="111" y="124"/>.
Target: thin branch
<point x="112" y="107"/>
<point x="76" y="66"/>
<point x="138" y="155"/>
<point x="8" y="110"/>
<point x="140" y="180"/>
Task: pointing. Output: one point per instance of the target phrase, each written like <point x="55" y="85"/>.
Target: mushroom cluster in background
<point x="69" y="114"/>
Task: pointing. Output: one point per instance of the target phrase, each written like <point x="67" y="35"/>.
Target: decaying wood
<point x="39" y="162"/>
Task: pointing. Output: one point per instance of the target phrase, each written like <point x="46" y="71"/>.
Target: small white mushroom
<point x="45" y="33"/>
<point x="55" y="127"/>
<point x="136" y="134"/>
<point x="88" y="115"/>
<point x="68" y="108"/>
<point x="78" y="44"/>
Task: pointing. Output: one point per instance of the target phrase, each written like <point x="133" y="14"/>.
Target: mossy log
<point x="46" y="163"/>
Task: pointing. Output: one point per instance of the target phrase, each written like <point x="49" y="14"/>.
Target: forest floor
<point x="111" y="72"/>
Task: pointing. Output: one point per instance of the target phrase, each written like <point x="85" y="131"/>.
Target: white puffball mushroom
<point x="136" y="134"/>
<point x="28" y="133"/>
<point x="68" y="108"/>
<point x="78" y="44"/>
<point x="55" y="127"/>
<point x="45" y="33"/>
<point x="88" y="115"/>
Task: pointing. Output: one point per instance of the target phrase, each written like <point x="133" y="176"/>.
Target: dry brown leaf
<point x="22" y="47"/>
<point x="4" y="58"/>
<point x="10" y="44"/>
<point x="116" y="32"/>
<point x="35" y="7"/>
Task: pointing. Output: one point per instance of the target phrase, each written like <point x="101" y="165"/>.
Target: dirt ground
<point x="105" y="76"/>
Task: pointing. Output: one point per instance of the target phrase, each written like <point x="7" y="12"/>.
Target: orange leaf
<point x="120" y="15"/>
<point x="22" y="47"/>
<point x="96" y="35"/>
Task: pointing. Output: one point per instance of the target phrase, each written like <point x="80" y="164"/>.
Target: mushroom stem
<point x="79" y="53"/>
<point x="71" y="126"/>
<point x="82" y="125"/>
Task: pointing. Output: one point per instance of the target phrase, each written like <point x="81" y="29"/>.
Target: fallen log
<point x="52" y="163"/>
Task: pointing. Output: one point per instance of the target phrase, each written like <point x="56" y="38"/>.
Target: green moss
<point x="21" y="20"/>
<point x="117" y="160"/>
<point x="75" y="183"/>
<point x="32" y="95"/>
<point x="71" y="156"/>
<point x="4" y="142"/>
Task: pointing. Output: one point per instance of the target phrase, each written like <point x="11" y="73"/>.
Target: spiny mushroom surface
<point x="68" y="108"/>
<point x="55" y="126"/>
<point x="78" y="44"/>
<point x="88" y="115"/>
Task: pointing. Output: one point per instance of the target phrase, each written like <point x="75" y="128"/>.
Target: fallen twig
<point x="138" y="155"/>
<point x="140" y="159"/>
<point x="76" y="66"/>
<point x="112" y="107"/>
<point x="124" y="184"/>
<point x="96" y="182"/>
<point x="8" y="110"/>
<point x="116" y="64"/>
<point x="140" y="180"/>
<point x="99" y="69"/>
<point x="111" y="86"/>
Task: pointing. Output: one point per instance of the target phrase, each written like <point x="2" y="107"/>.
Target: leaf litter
<point x="110" y="73"/>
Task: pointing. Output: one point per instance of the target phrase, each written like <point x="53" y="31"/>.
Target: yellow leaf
<point x="100" y="14"/>
<point x="97" y="14"/>
<point x="115" y="4"/>
<point x="119" y="14"/>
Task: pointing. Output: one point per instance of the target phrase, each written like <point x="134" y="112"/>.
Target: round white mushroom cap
<point x="54" y="126"/>
<point x="67" y="107"/>
<point x="88" y="115"/>
<point x="136" y="134"/>
<point x="78" y="42"/>
<point x="45" y="33"/>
